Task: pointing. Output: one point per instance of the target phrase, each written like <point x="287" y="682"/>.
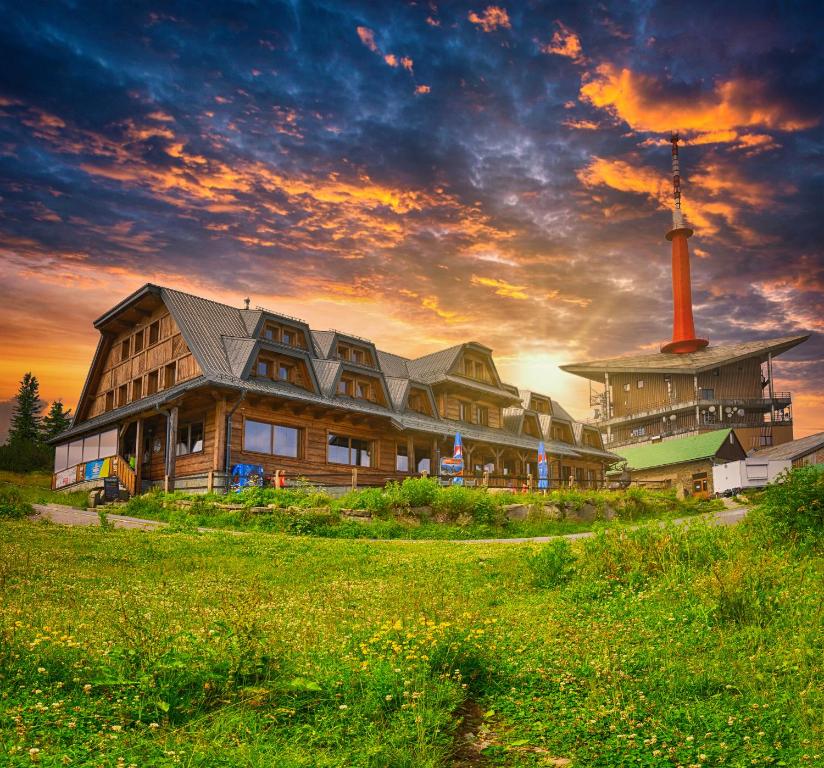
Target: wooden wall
<point x="116" y="370"/>
<point x="449" y="407"/>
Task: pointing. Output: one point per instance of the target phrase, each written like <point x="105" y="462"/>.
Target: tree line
<point x="26" y="447"/>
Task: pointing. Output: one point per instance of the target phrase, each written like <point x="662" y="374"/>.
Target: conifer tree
<point x="25" y="421"/>
<point x="56" y="420"/>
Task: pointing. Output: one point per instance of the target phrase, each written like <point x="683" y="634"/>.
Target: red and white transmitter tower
<point x="683" y="326"/>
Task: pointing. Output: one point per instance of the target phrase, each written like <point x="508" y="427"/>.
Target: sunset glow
<point x="418" y="174"/>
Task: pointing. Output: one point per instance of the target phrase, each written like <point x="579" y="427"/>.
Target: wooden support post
<point x="210" y="481"/>
<point x="219" y="448"/>
<point x="171" y="448"/>
<point x="412" y="465"/>
<point x="485" y="480"/>
<point x="529" y="481"/>
<point x="138" y="457"/>
<point x="354" y="478"/>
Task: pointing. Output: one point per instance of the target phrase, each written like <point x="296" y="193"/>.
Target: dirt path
<point x="64" y="515"/>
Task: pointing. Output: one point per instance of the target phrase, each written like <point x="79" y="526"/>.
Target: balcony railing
<point x="761" y="404"/>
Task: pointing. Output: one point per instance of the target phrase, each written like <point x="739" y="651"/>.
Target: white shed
<point x="752" y="472"/>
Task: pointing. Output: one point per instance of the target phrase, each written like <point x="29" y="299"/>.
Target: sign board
<point x="65" y="477"/>
<point x="111" y="489"/>
<point x="452" y="467"/>
<point x="246" y="476"/>
<point x="97" y="470"/>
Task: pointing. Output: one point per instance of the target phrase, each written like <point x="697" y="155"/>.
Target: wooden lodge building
<point x="652" y="397"/>
<point x="181" y="389"/>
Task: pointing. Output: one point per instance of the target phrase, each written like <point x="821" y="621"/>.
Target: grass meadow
<point x="689" y="646"/>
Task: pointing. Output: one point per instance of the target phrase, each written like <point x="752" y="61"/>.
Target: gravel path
<point x="64" y="515"/>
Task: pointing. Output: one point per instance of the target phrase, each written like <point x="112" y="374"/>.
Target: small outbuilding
<point x="802" y="452"/>
<point x="684" y="463"/>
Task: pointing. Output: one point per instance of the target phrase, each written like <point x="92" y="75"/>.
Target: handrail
<point x="125" y="474"/>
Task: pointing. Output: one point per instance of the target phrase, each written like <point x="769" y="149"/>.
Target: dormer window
<point x="482" y="415"/>
<point x="479" y="371"/>
<point x="154" y="332"/>
<point x="285" y="372"/>
<point x="468" y="368"/>
<point x="262" y="368"/>
<point x="269" y="334"/>
<point x="357" y="356"/>
<point x="343" y="387"/>
<point x="287" y="337"/>
<point x="463" y="411"/>
<point x="364" y="390"/>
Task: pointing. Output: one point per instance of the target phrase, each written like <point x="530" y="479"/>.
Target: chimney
<point x="247" y="301"/>
<point x="683" y="326"/>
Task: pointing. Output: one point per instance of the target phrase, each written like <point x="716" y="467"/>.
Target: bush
<point x="26" y="456"/>
<point x="149" y="506"/>
<point x="796" y="505"/>
<point x="455" y="501"/>
<point x="552" y="565"/>
<point x="419" y="491"/>
<point x="12" y="504"/>
<point x="372" y="500"/>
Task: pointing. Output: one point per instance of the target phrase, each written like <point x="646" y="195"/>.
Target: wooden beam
<point x="138" y="457"/>
<point x="219" y="448"/>
<point x="171" y="448"/>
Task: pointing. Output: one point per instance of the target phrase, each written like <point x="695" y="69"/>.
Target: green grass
<point x="658" y="647"/>
<point x="35" y="488"/>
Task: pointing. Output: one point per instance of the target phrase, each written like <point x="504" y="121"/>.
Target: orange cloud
<point x="716" y="192"/>
<point x="391" y="59"/>
<point x="407" y="63"/>
<point x="494" y="17"/>
<point x="502" y="288"/>
<point x="367" y="37"/>
<point x="565" y="43"/>
<point x="646" y="103"/>
<point x="422" y="89"/>
<point x="582" y="125"/>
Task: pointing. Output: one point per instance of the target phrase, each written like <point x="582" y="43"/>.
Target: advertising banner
<point x="96" y="470"/>
<point x="451" y="467"/>
<point x="65" y="477"/>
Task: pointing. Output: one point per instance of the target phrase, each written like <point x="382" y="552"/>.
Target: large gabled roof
<point x="677" y="451"/>
<point x="690" y="363"/>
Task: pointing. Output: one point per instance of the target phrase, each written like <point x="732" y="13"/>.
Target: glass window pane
<point x="262" y="368"/>
<point x="75" y="452"/>
<point x="196" y="438"/>
<point x="337" y="451"/>
<point x="257" y="437"/>
<point x="423" y="465"/>
<point x="91" y="447"/>
<point x="286" y="441"/>
<point x="61" y="457"/>
<point x="108" y="444"/>
<point x="182" y="445"/>
<point x="361" y="453"/>
<point x="402" y="458"/>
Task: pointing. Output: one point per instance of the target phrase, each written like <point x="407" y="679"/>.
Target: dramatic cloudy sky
<point x="417" y="172"/>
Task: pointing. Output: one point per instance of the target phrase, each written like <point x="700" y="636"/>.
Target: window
<point x="122" y="394"/>
<point x="124" y="349"/>
<point x="138" y="341"/>
<point x="343" y="387"/>
<point x="269" y="334"/>
<point x="154" y="332"/>
<point x="349" y="450"/>
<point x="626" y="387"/>
<point x="357" y="356"/>
<point x="343" y="352"/>
<point x="640" y="384"/>
<point x="262" y="368"/>
<point x="275" y="439"/>
<point x="416" y="403"/>
<point x="463" y="411"/>
<point x="424" y="464"/>
<point x="61" y="457"/>
<point x="171" y="375"/>
<point x="364" y="390"/>
<point x="468" y="368"/>
<point x="189" y="438"/>
<point x="137" y="389"/>
<point x="151" y="383"/>
<point x="402" y="458"/>
<point x="75" y="453"/>
<point x="638" y="432"/>
<point x="479" y="371"/>
<point x="285" y="372"/>
<point x="482" y="415"/>
<point x="706" y="394"/>
<point x="108" y="444"/>
<point x="91" y="447"/>
<point x="110" y="400"/>
<point x="287" y="337"/>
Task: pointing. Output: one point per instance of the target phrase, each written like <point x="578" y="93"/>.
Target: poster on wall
<point x="95" y="470"/>
<point x="65" y="477"/>
<point x="246" y="476"/>
<point x="451" y="468"/>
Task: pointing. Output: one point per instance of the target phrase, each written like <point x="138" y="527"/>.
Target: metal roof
<point x="689" y="363"/>
<point x="795" y="449"/>
<point x="677" y="451"/>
